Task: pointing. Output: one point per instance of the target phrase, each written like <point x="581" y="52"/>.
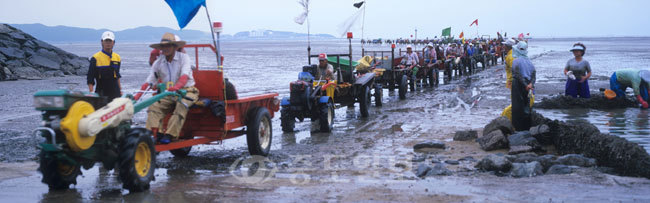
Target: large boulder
<point x="431" y="145"/>
<point x="40" y="61"/>
<point x="439" y="170"/>
<point x="501" y="123"/>
<point x="494" y="162"/>
<point x="493" y="141"/>
<point x="422" y="170"/>
<point x="561" y="169"/>
<point x="26" y="72"/>
<point x="12" y="52"/>
<point x="50" y="55"/>
<point x="526" y="169"/>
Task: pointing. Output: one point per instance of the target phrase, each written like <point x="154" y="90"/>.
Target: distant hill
<point x="54" y="34"/>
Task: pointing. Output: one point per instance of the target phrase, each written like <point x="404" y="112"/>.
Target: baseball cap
<point x="108" y="35"/>
<point x="322" y="56"/>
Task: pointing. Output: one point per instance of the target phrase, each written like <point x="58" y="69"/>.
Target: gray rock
<point x="30" y="44"/>
<point x="2" y="58"/>
<point x="419" y="158"/>
<point x="8" y="74"/>
<point x="520" y="149"/>
<point x="26" y="72"/>
<point x="439" y="170"/>
<point x="523" y="138"/>
<point x="547" y="161"/>
<point x="4" y="28"/>
<point x="15" y="63"/>
<point x="82" y="71"/>
<point x="576" y="160"/>
<point x="43" y="44"/>
<point x="44" y="62"/>
<point x="467" y="158"/>
<point x="422" y="170"/>
<point x="494" y="163"/>
<point x="540" y="130"/>
<point x="501" y="123"/>
<point x="18" y="36"/>
<point x="526" y="169"/>
<point x="493" y="141"/>
<point x="465" y="135"/>
<point x="452" y="162"/>
<point x="78" y="62"/>
<point x="430" y="144"/>
<point x="53" y="73"/>
<point x="68" y="69"/>
<point x="15" y="53"/>
<point x="561" y="169"/>
<point x="49" y="55"/>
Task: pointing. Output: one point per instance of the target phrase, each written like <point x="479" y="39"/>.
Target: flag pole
<point x="219" y="66"/>
<point x="214" y="41"/>
<point x="363" y="22"/>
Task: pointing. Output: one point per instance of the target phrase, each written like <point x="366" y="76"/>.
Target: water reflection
<point x="632" y="123"/>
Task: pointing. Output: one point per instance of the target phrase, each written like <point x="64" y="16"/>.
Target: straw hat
<point x="168" y="38"/>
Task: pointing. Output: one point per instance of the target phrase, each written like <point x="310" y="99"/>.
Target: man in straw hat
<point x="173" y="69"/>
<point x="638" y="80"/>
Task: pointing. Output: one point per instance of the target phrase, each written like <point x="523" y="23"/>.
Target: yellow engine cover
<point x="70" y="126"/>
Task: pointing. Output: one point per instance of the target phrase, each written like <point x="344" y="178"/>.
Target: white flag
<point x="303" y="16"/>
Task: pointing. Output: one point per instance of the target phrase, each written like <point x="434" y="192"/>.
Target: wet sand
<point x="362" y="159"/>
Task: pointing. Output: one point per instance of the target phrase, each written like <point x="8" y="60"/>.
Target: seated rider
<point x="325" y="71"/>
<point x="172" y="68"/>
<point x="410" y="60"/>
<point x="430" y="55"/>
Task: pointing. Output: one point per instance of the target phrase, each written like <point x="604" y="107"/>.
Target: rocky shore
<point x="25" y="57"/>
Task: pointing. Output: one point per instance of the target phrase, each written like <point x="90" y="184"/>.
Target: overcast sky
<point x="384" y="18"/>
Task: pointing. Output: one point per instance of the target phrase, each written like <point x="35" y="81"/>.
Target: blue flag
<point x="185" y="10"/>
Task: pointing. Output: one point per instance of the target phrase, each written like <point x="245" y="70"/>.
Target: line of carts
<point x="317" y="99"/>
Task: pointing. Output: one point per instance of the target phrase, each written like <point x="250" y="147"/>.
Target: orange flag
<point x="461" y="35"/>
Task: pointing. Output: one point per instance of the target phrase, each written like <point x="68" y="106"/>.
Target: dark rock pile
<point x="25" y="57"/>
<point x="597" y="101"/>
<point x="531" y="164"/>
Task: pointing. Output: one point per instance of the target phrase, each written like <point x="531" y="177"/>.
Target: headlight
<point x="48" y="102"/>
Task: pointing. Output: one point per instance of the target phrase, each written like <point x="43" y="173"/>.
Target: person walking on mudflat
<point x="173" y="69"/>
<point x="578" y="71"/>
<point x="638" y="80"/>
<point x="523" y="73"/>
<point x="104" y="72"/>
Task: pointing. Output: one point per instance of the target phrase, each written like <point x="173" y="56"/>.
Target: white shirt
<point x="171" y="71"/>
<point x="411" y="58"/>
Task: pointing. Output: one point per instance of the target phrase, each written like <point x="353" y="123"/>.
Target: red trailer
<point x="249" y="115"/>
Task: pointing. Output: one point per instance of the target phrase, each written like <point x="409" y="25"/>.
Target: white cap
<point x="510" y="42"/>
<point x="577" y="48"/>
<point x="408" y="46"/>
<point x="108" y="35"/>
<point x="430" y="44"/>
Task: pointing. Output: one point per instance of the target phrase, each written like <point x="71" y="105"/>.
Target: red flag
<point x="475" y="22"/>
<point x="521" y="36"/>
<point x="461" y="35"/>
<point x="527" y="34"/>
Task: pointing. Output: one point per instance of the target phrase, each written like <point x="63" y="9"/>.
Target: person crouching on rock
<point x="638" y="80"/>
<point x="172" y="68"/>
<point x="578" y="71"/>
<point x="523" y="73"/>
<point x="104" y="70"/>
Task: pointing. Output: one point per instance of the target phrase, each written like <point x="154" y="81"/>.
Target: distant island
<point x="66" y="34"/>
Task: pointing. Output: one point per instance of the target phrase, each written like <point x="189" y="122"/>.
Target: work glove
<point x="644" y="104"/>
<point x="142" y="88"/>
<point x="179" y="84"/>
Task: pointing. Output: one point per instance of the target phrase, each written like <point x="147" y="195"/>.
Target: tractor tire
<point x="137" y="160"/>
<point x="231" y="92"/>
<point x="56" y="174"/>
<point x="326" y="117"/>
<point x="402" y="87"/>
<point x="287" y="121"/>
<point x="391" y="82"/>
<point x="412" y="83"/>
<point x="364" y="101"/>
<point x="182" y="152"/>
<point x="379" y="94"/>
<point x="260" y="132"/>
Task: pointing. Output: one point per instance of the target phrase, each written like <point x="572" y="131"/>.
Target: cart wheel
<point x="412" y="83"/>
<point x="364" y="101"/>
<point x="402" y="87"/>
<point x="182" y="152"/>
<point x="379" y="93"/>
<point x="259" y="132"/>
<point x="137" y="160"/>
<point x="57" y="175"/>
<point x="432" y="78"/>
<point x="326" y="117"/>
<point x="287" y="121"/>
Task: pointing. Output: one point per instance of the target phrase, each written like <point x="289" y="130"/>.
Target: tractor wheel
<point x="412" y="83"/>
<point x="364" y="101"/>
<point x="326" y="117"/>
<point x="287" y="121"/>
<point x="260" y="132"/>
<point x="402" y="87"/>
<point x="391" y="82"/>
<point x="57" y="175"/>
<point x="182" y="152"/>
<point x="379" y="94"/>
<point x="137" y="160"/>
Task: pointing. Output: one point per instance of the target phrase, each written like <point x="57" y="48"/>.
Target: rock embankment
<point x="25" y="57"/>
